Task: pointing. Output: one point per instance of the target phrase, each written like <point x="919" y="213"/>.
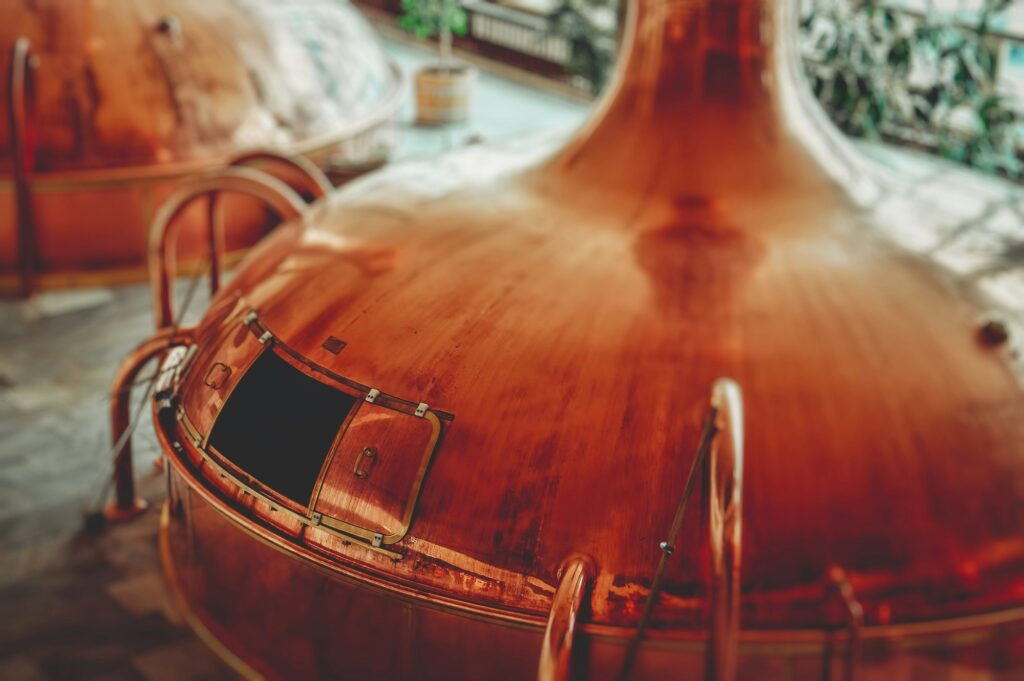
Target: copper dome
<point x="450" y="412"/>
<point x="121" y="100"/>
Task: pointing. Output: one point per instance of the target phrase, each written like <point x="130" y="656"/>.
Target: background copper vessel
<point x="544" y="357"/>
<point x="108" y="105"/>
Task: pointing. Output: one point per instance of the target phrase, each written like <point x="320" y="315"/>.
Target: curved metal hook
<point x="722" y="459"/>
<point x="277" y="195"/>
<point x="725" y="525"/>
<point x="557" y="649"/>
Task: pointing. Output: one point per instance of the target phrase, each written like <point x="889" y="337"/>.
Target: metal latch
<point x="316" y="519"/>
<point x="378" y="539"/>
<point x="371" y="396"/>
<point x="421" y="409"/>
<point x="364" y="462"/>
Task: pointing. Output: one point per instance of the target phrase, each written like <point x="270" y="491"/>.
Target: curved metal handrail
<point x="556" y="652"/>
<point x="19" y="87"/>
<point x="313" y="182"/>
<point x="723" y="463"/>
<point x="126" y="504"/>
<point x="725" y="525"/>
<point x="277" y="195"/>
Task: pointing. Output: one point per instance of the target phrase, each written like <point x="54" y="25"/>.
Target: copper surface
<point x="129" y="98"/>
<point x="574" y="312"/>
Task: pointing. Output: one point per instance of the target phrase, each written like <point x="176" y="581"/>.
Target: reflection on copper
<point x="108" y="109"/>
<point x="574" y="308"/>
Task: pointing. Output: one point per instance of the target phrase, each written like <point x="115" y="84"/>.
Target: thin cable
<point x="118" y="450"/>
<point x="668" y="546"/>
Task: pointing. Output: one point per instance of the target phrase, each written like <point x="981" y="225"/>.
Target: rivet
<point x="170" y="26"/>
<point x="994" y="331"/>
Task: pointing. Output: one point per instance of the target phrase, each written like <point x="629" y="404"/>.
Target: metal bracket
<point x="371" y="396"/>
<point x="316" y="519"/>
<point x="252" y="317"/>
<point x="266" y="337"/>
<point x="378" y="539"/>
<point x="421" y="409"/>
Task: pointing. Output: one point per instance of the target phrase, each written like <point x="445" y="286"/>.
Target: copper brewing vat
<point x="108" y="105"/>
<point x="460" y="420"/>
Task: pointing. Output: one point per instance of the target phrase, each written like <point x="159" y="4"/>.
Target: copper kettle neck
<point x="708" y="96"/>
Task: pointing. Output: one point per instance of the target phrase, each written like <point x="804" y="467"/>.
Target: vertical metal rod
<point x="854" y="612"/>
<point x="215" y="241"/>
<point x="668" y="546"/>
<point x="23" y="144"/>
<point x="556" y="653"/>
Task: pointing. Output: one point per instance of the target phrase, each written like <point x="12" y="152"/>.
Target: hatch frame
<point x="309" y="516"/>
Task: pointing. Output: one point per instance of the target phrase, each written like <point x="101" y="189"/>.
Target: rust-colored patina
<point x="684" y="320"/>
<point x="109" y="104"/>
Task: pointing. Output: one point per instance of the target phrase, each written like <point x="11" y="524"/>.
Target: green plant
<point x="925" y="80"/>
<point x="428" y="18"/>
<point x="590" y="28"/>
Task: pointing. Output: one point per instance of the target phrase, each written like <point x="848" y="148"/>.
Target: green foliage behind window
<point x="589" y="26"/>
<point x="914" y="79"/>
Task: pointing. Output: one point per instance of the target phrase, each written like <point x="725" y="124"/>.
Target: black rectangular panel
<point x="278" y="425"/>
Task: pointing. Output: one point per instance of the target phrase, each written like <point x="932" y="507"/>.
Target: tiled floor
<point x="80" y="606"/>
